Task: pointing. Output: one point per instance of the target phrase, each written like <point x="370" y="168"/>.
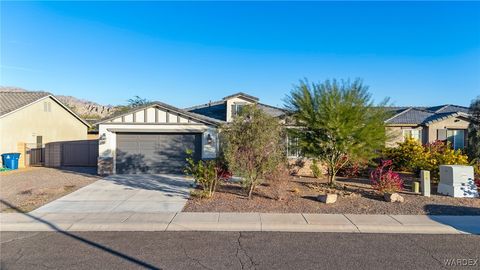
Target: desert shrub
<point x="411" y="156"/>
<point x="407" y="156"/>
<point x="316" y="171"/>
<point x="354" y="169"/>
<point x="253" y="146"/>
<point x="278" y="180"/>
<point x="474" y="130"/>
<point x="476" y="169"/>
<point x="205" y="174"/>
<point x="440" y="153"/>
<point x="384" y="180"/>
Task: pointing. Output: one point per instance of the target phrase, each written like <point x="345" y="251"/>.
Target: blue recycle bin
<point x="10" y="160"/>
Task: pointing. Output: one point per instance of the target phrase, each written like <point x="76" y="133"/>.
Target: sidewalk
<point x="185" y="221"/>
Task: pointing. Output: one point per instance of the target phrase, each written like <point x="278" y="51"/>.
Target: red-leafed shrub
<point x="384" y="180"/>
<point x="223" y="174"/>
<point x="477" y="182"/>
<point x="353" y="169"/>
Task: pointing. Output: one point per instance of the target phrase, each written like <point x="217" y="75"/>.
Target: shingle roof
<point x="424" y="115"/>
<point x="11" y="101"/>
<point x="448" y="109"/>
<point x="410" y="116"/>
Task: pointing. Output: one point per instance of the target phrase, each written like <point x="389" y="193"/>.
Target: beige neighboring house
<point x="33" y="119"/>
<point x="429" y="124"/>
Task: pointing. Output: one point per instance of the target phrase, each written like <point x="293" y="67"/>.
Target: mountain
<point x="86" y="109"/>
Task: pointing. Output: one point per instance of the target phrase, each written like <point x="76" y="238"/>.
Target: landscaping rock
<point x="327" y="198"/>
<point x="394" y="197"/>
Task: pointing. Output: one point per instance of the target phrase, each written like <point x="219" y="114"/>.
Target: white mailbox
<point x="457" y="181"/>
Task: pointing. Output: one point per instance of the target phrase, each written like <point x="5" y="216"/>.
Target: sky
<point x="187" y="53"/>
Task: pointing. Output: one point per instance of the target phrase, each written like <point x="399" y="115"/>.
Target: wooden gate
<point x="35" y="154"/>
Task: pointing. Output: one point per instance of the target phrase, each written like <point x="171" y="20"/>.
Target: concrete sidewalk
<point x="188" y="221"/>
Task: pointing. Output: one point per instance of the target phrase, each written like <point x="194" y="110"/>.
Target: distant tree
<point x="134" y="102"/>
<point x="340" y="122"/>
<point x="253" y="146"/>
<point x="137" y="101"/>
<point x="473" y="149"/>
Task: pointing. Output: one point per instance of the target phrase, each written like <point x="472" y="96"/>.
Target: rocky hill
<point x="84" y="108"/>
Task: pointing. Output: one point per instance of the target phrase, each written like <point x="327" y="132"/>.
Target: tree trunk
<point x="250" y="191"/>
<point x="331" y="178"/>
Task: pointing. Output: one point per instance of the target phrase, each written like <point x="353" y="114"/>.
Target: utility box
<point x="457" y="181"/>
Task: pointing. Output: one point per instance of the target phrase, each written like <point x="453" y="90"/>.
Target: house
<point x="429" y="124"/>
<point x="153" y="138"/>
<point x="33" y="119"/>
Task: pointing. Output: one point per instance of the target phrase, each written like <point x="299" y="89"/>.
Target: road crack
<point x="194" y="259"/>
<point x="241" y="249"/>
<point x="442" y="264"/>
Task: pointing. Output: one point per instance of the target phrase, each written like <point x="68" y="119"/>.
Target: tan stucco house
<point x="429" y="124"/>
<point x="35" y="119"/>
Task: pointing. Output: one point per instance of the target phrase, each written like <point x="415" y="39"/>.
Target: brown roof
<point x="11" y="101"/>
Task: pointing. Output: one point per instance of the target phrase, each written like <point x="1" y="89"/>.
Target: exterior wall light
<point x="209" y="139"/>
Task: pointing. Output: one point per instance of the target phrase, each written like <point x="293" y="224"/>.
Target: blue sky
<point x="416" y="53"/>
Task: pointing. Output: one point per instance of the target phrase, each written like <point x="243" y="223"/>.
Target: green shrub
<point x="411" y="156"/>
<point x="205" y="174"/>
<point x="317" y="173"/>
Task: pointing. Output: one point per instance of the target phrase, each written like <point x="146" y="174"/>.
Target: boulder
<point x="327" y="198"/>
<point x="393" y="197"/>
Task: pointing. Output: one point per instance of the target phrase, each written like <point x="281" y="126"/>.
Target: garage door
<point x="155" y="153"/>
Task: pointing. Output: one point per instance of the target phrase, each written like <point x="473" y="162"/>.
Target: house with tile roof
<point x="429" y="124"/>
<point x="35" y="119"/>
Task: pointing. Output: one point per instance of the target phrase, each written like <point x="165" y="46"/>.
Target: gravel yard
<point x="299" y="195"/>
<point x="30" y="188"/>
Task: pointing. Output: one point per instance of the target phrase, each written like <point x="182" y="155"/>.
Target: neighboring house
<point x="34" y="119"/>
<point x="153" y="138"/>
<point x="429" y="124"/>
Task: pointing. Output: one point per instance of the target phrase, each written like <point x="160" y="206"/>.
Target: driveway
<point x="125" y="193"/>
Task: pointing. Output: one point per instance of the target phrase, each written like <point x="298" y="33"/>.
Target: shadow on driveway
<point x="169" y="185"/>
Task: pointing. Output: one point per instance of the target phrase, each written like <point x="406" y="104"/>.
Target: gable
<point x="38" y="106"/>
<point x="154" y="115"/>
<point x="451" y="121"/>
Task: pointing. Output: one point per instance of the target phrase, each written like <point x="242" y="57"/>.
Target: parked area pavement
<point x="143" y="193"/>
<point x="236" y="250"/>
<point x="194" y="221"/>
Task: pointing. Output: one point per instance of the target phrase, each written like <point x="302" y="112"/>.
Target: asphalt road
<point x="233" y="250"/>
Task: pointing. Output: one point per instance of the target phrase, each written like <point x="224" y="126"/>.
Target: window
<point x="456" y="137"/>
<point x="413" y="133"/>
<point x="293" y="150"/>
<point x="237" y="109"/>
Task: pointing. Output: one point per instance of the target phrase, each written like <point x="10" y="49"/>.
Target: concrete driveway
<point x="125" y="193"/>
